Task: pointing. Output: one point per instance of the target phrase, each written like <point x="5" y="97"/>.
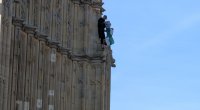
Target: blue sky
<point x="157" y="53"/>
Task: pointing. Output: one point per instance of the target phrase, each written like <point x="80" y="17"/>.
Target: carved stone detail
<point x="18" y="22"/>
<point x="41" y="37"/>
<point x="29" y="29"/>
<point x="53" y="44"/>
<point x="17" y="1"/>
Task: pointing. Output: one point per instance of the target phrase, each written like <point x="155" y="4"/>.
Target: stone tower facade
<point x="50" y="56"/>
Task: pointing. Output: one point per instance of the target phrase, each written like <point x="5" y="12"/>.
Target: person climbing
<point x="109" y="31"/>
<point x="101" y="29"/>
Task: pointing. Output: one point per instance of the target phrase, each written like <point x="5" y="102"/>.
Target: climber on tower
<point x="101" y="29"/>
<point x="109" y="31"/>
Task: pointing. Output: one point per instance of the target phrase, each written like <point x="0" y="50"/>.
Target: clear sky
<point x="157" y="53"/>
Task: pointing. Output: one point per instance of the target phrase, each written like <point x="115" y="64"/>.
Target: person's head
<point x="108" y="24"/>
<point x="104" y="17"/>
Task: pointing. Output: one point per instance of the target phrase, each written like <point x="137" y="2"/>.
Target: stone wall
<point x="51" y="58"/>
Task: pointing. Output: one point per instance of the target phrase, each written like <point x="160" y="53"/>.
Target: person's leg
<point x="101" y="36"/>
<point x="99" y="32"/>
<point x="104" y="39"/>
<point x="102" y="44"/>
<point x="101" y="40"/>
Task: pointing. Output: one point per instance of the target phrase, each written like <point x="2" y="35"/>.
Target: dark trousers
<point x="102" y="37"/>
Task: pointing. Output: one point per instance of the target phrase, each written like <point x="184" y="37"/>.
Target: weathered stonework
<point x="51" y="57"/>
